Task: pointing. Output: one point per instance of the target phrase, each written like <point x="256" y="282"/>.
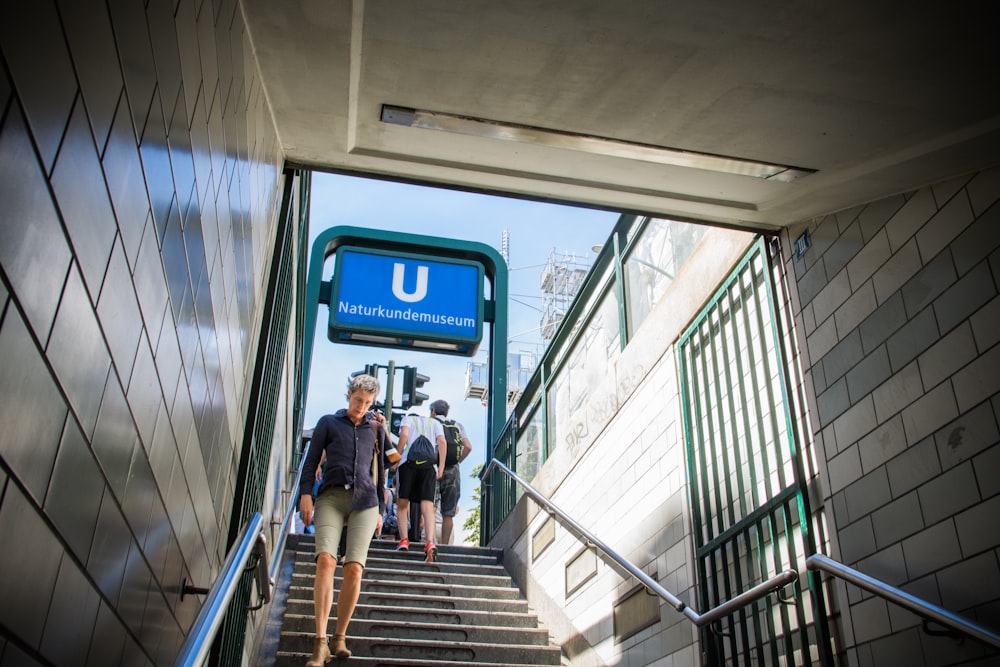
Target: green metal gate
<point x="748" y="495"/>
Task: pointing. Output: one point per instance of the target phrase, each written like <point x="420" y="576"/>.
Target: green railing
<point x="749" y="506"/>
<point x="498" y="494"/>
<point x="497" y="501"/>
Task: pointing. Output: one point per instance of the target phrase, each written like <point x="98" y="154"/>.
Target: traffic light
<point x="370" y="369"/>
<point x="397" y="422"/>
<point x="412" y="380"/>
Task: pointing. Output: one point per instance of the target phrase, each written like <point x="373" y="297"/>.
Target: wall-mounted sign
<point x="396" y="299"/>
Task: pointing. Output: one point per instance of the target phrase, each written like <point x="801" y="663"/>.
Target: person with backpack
<point x="423" y="450"/>
<point x="450" y="482"/>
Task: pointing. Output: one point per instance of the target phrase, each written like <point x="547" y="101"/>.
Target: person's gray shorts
<point x="450" y="486"/>
<point x="332" y="510"/>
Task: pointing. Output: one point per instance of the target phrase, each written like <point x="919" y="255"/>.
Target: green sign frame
<point x="494" y="307"/>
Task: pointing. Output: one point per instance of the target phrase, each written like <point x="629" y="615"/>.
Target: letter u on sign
<point x="398" y="271"/>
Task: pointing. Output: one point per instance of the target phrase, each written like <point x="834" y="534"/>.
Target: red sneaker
<point x="432" y="552"/>
<point x="404" y="545"/>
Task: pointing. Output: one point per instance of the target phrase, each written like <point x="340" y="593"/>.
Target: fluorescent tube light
<point x="491" y="129"/>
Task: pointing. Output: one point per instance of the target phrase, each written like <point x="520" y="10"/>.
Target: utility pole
<point x="387" y="405"/>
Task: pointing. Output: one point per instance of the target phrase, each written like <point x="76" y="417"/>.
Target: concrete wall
<point x="897" y="312"/>
<point x="139" y="176"/>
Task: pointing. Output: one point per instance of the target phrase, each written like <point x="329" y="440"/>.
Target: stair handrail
<point x="279" y="542"/>
<point x="250" y="542"/>
<point x="762" y="589"/>
<point x="918" y="606"/>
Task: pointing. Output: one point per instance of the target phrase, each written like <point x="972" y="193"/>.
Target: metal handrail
<point x="251" y="542"/>
<point x="895" y="595"/>
<point x="918" y="606"/>
<point x="762" y="589"/>
<point x="279" y="543"/>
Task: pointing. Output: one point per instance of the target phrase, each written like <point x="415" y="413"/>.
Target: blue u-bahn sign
<point x="397" y="299"/>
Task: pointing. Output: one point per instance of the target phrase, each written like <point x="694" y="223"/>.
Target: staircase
<point x="461" y="610"/>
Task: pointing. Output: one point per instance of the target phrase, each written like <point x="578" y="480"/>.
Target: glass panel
<point x="568" y="339"/>
<point x="529" y="448"/>
<point x="529" y="413"/>
<point x="651" y="266"/>
<point x="580" y="393"/>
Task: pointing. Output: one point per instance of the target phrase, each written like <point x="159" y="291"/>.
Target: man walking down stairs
<point x="461" y="609"/>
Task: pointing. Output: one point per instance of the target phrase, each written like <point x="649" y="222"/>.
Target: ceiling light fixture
<point x="491" y="129"/>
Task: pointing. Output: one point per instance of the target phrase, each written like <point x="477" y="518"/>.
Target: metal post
<point x="388" y="392"/>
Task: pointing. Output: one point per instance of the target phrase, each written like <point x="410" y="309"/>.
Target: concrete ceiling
<point x="877" y="98"/>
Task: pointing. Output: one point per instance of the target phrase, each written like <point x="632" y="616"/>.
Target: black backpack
<point x="452" y="436"/>
<point x="421" y="450"/>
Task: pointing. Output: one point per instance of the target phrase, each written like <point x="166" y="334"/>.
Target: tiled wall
<point x="900" y="317"/>
<point x="139" y="177"/>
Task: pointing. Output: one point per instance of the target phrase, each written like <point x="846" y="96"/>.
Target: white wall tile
<point x="856" y="422"/>
<point x="875" y="253"/>
<point x="882" y="444"/>
<point x="899" y="391"/>
<point x="978" y="380"/>
<point x="931" y="549"/>
<point x="844" y="469"/>
<point x="932" y="411"/>
<point x="823" y="339"/>
<point x="943" y="227"/>
<point x="984" y="190"/>
<point x="911" y="217"/>
<point x="902" y="266"/>
<point x="947" y="355"/>
<point x="831" y="296"/>
<point x="978" y="528"/>
<point x="855" y="309"/>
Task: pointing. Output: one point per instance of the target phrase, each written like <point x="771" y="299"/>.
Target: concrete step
<point x="447" y="553"/>
<point x="410" y="614"/>
<point x="460" y="611"/>
<point x="287" y="659"/>
<point x="406" y="562"/>
<point x="426" y="575"/>
<point x="396" y="628"/>
<point x="300" y="644"/>
<point x="304" y="597"/>
<point x="418" y="588"/>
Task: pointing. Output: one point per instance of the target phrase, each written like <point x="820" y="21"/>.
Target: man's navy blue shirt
<point x="349" y="451"/>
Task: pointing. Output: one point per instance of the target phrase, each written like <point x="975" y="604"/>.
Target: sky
<point x="534" y="230"/>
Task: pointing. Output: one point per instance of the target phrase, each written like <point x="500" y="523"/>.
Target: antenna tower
<point x="561" y="280"/>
